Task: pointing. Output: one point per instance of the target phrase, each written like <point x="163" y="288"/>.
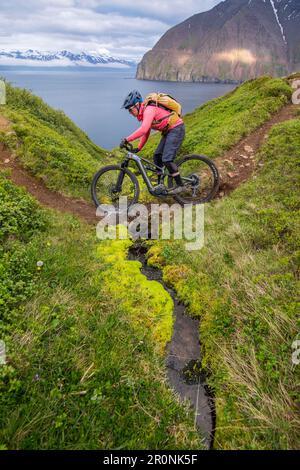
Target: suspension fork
<point x="121" y="176"/>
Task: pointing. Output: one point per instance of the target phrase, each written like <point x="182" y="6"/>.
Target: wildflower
<point x="39" y="264"/>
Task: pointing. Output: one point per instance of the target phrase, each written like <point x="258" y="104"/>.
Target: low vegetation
<point x="220" y="123"/>
<point x="84" y="342"/>
<point x="49" y="144"/>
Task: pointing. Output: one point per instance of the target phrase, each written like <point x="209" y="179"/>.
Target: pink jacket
<point x="147" y="116"/>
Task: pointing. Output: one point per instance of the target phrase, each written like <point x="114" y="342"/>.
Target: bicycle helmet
<point x="133" y="98"/>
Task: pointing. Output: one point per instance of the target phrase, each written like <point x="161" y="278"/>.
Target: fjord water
<point x="92" y="98"/>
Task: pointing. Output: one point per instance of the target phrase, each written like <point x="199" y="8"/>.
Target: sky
<point x="121" y="28"/>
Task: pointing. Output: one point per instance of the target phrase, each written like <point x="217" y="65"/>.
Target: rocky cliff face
<point x="235" y="41"/>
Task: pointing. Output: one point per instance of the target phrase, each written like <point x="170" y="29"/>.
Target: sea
<point x="93" y="98"/>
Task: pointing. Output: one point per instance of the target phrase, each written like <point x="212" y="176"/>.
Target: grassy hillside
<point x="86" y="332"/>
<point x="49" y="144"/>
<point x="242" y="285"/>
<point x="85" y="364"/>
<point x="51" y="147"/>
<point x="218" y="124"/>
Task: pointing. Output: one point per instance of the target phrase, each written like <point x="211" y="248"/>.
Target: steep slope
<point x="259" y="103"/>
<point x="49" y="144"/>
<point x="218" y="124"/>
<point x="235" y="41"/>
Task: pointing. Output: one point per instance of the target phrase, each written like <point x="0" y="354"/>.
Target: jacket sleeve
<point x="145" y="128"/>
<point x="143" y="140"/>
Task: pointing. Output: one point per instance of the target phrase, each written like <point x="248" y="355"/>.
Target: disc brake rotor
<point x="194" y="184"/>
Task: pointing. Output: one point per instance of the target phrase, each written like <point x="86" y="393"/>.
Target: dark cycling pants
<point x="169" y="145"/>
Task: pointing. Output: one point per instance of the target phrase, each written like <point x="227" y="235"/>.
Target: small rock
<point x="245" y="157"/>
<point x="266" y="136"/>
<point x="248" y="164"/>
<point x="261" y="164"/>
<point x="231" y="175"/>
<point x="228" y="161"/>
<point x="7" y="160"/>
<point x="248" y="149"/>
<point x="221" y="194"/>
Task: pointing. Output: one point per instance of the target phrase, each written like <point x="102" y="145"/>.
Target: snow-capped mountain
<point x="236" y="40"/>
<point x="61" y="58"/>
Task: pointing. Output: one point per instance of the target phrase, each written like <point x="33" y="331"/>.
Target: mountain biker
<point x="154" y="117"/>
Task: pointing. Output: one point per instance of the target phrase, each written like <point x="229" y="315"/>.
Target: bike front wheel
<point x="112" y="182"/>
<point x="200" y="177"/>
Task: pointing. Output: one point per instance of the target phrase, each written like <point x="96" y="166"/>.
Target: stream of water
<point x="183" y="352"/>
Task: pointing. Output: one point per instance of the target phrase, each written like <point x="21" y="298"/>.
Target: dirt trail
<point x="236" y="166"/>
<point x="37" y="188"/>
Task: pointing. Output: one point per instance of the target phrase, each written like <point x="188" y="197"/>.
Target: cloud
<point x="121" y="27"/>
<point x="172" y="11"/>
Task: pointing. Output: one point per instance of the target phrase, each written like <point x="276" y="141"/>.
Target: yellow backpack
<point x="167" y="102"/>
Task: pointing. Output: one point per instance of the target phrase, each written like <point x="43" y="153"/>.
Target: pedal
<point x="159" y="190"/>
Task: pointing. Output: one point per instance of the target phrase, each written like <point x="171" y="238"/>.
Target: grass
<point x="49" y="144"/>
<point x="85" y="364"/>
<point x="85" y="333"/>
<point x="242" y="285"/>
<point x="220" y="123"/>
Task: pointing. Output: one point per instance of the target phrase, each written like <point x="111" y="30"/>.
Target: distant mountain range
<point x="235" y="41"/>
<point x="61" y="59"/>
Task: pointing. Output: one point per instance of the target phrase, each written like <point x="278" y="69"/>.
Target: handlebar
<point x="128" y="147"/>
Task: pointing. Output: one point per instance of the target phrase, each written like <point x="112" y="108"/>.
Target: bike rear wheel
<point x="201" y="179"/>
<point x="112" y="182"/>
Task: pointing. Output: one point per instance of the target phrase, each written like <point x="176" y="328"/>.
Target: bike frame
<point x="139" y="163"/>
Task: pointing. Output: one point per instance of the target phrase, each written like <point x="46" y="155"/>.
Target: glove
<point x="123" y="143"/>
<point x="135" y="150"/>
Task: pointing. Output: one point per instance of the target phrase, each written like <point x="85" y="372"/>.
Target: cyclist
<point x="155" y="117"/>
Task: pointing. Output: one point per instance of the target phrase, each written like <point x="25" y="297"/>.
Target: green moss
<point x="149" y="306"/>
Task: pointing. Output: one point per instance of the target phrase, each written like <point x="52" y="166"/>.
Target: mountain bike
<point x="198" y="173"/>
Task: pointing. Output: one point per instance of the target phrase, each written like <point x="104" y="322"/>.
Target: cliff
<point x="235" y="41"/>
